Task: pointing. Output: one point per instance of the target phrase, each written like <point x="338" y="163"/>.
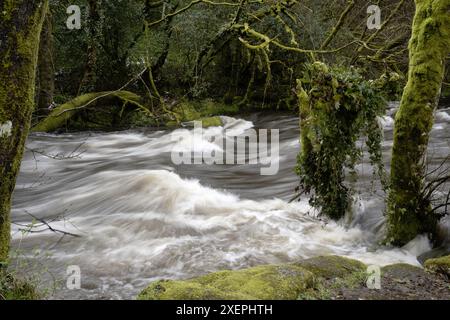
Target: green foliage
<point x="337" y="108"/>
<point x="14" y="288"/>
<point x="391" y="85"/>
<point x="120" y="23"/>
<point x="25" y="277"/>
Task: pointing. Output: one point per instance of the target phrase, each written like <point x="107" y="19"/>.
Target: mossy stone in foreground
<point x="439" y="265"/>
<point x="332" y="266"/>
<point x="272" y="282"/>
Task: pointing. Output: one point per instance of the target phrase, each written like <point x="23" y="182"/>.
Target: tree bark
<point x="46" y="70"/>
<point x="429" y="46"/>
<point x="60" y="115"/>
<point x="87" y="83"/>
<point x="20" y="28"/>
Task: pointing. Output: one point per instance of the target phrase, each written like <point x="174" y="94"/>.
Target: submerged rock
<point x="215" y="121"/>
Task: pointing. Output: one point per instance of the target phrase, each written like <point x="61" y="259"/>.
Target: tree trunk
<point x="46" y="69"/>
<point x="60" y="115"/>
<point x="20" y="28"/>
<point x="87" y="83"/>
<point x="429" y="45"/>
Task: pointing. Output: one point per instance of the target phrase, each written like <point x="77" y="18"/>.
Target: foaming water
<point x="140" y="218"/>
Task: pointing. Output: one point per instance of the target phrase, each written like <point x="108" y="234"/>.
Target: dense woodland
<point x="160" y="63"/>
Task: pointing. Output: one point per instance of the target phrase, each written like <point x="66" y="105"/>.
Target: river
<point x="141" y="218"/>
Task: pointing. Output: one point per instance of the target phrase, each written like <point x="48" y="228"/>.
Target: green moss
<point x="408" y="214"/>
<point x="186" y="111"/>
<point x="63" y="113"/>
<point x="211" y="122"/>
<point x="332" y="266"/>
<point x="264" y="282"/>
<point x="205" y="110"/>
<point x="326" y="290"/>
<point x="400" y="268"/>
<point x="325" y="277"/>
<point x="286" y="282"/>
<point x="439" y="265"/>
<point x="19" y="34"/>
<point x="343" y="273"/>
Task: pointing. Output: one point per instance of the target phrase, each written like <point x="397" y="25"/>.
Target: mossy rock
<point x="332" y="266"/>
<point x="402" y="271"/>
<point x="272" y="282"/>
<point x="217" y="108"/>
<point x="205" y="109"/>
<point x="186" y="111"/>
<point x="439" y="265"/>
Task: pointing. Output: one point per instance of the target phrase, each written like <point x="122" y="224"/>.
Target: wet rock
<point x="439" y="265"/>
<point x="332" y="266"/>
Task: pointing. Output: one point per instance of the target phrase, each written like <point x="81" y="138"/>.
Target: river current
<point x="140" y="218"/>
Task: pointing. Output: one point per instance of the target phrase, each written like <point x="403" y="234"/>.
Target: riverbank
<point x="13" y="287"/>
<point x="326" y="277"/>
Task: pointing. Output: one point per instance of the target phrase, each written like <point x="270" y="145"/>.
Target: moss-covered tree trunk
<point x="408" y="216"/>
<point x="20" y="28"/>
<point x="87" y="83"/>
<point x="46" y="69"/>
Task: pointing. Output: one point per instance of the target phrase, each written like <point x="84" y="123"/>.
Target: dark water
<point x="141" y="218"/>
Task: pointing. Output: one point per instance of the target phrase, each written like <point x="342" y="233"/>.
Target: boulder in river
<point x="325" y="277"/>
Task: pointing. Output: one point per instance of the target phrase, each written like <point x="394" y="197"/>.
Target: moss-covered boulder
<point x="211" y="122"/>
<point x="439" y="265"/>
<point x="272" y="282"/>
<point x="325" y="277"/>
<point x="205" y="109"/>
<point x="332" y="266"/>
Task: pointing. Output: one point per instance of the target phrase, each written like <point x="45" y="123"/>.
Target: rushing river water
<point x="140" y="218"/>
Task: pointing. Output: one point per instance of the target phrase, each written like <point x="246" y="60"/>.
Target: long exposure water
<point x="141" y="218"/>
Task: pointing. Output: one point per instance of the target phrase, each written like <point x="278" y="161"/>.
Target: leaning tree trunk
<point x="46" y="69"/>
<point x="20" y="28"/>
<point x="408" y="215"/>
